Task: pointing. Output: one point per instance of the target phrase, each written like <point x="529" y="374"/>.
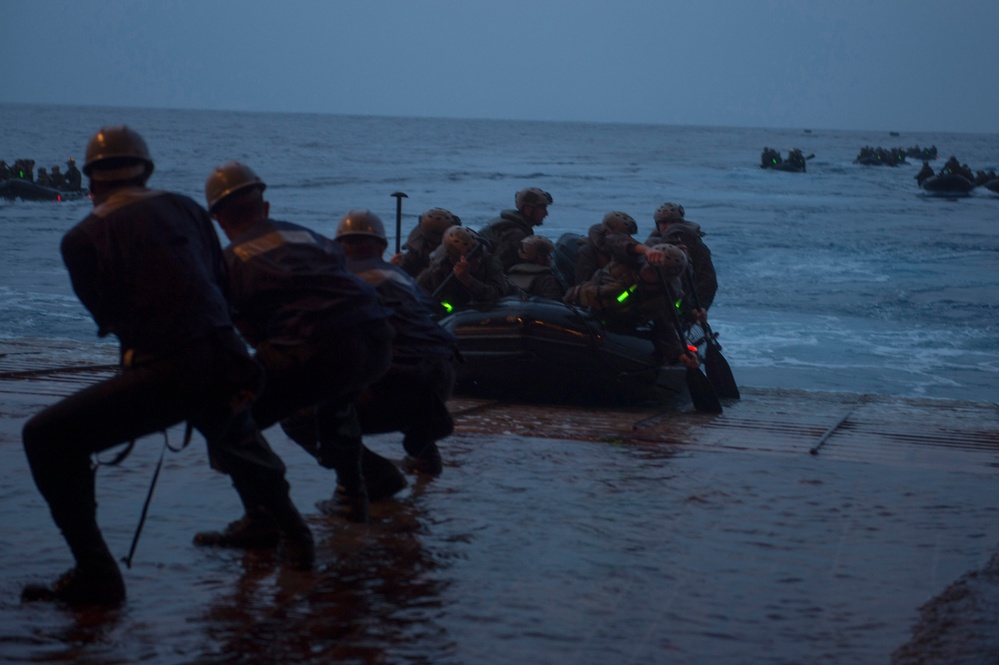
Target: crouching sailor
<point x="318" y="331"/>
<point x="148" y="266"/>
<point x="412" y="396"/>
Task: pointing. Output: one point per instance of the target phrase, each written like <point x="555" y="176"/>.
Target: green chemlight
<point x="627" y="292"/>
<point x="447" y="306"/>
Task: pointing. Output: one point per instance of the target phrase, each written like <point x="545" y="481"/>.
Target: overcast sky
<point x="914" y="65"/>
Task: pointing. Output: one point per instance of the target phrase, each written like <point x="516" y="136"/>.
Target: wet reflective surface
<point x="553" y="536"/>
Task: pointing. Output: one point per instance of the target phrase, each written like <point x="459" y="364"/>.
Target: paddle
<point x="702" y="393"/>
<point x="719" y="372"/>
<point x="399" y="196"/>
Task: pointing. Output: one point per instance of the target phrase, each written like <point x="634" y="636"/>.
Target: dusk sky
<point x="913" y="65"/>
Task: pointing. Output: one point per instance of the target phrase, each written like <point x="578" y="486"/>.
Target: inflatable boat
<point x="542" y="350"/>
<point x="16" y="188"/>
<point x="948" y="184"/>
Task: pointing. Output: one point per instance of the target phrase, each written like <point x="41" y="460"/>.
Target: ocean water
<point x="556" y="535"/>
<point x="844" y="278"/>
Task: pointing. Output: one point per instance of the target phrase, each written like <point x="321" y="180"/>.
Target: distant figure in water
<point x="73" y="178"/>
<point x="769" y="158"/>
<point x="148" y="266"/>
<point x="57" y="178"/>
<point x="924" y="174"/>
<point x="796" y="159"/>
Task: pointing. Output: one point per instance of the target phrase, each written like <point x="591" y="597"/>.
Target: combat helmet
<point x="434" y="222"/>
<point x="458" y="242"/>
<point x="117" y="153"/>
<point x="668" y="212"/>
<point x="358" y="223"/>
<point x="676" y="260"/>
<point x="619" y="222"/>
<point x="533" y="246"/>
<point x="228" y="179"/>
<point x="532" y="196"/>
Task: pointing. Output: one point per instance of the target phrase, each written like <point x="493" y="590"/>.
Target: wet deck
<point x="809" y="526"/>
<point x="841" y="426"/>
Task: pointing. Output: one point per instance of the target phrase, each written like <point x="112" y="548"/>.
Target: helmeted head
<point x="535" y="247"/>
<point x="117" y="153"/>
<point x="229" y="179"/>
<point x="71" y="162"/>
<point x="676" y="260"/>
<point x="668" y="213"/>
<point x="619" y="222"/>
<point x="361" y="224"/>
<point x="458" y="242"/>
<point x="532" y="196"/>
<point x="434" y="222"/>
<point x="533" y="204"/>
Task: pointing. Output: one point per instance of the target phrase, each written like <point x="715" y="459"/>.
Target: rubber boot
<point x="255" y="529"/>
<point x="340" y="449"/>
<point x="422" y="456"/>
<point x="297" y="546"/>
<point x="382" y="478"/>
<point x="95" y="579"/>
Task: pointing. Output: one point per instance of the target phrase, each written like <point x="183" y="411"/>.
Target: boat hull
<point x="25" y="190"/>
<point x="948" y="184"/>
<point x="541" y="350"/>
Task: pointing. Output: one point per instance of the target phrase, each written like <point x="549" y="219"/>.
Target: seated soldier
<point x="56" y="177"/>
<point x="602" y="240"/>
<point x="629" y="294"/>
<point x="504" y="233"/>
<point x="463" y="272"/>
<point x="534" y="275"/>
<point x="424" y="239"/>
<point x="673" y="228"/>
<point x="73" y="177"/>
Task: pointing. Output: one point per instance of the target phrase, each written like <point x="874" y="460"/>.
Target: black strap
<point x="188" y="431"/>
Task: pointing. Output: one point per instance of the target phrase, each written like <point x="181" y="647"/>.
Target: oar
<point x="399" y="196"/>
<point x="702" y="393"/>
<point x="719" y="373"/>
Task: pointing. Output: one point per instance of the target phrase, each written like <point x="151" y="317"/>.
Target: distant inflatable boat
<point x="16" y="188"/>
<point x="542" y="350"/>
<point x="948" y="184"/>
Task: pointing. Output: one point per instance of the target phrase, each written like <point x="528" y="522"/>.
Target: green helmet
<point x="436" y="221"/>
<point x="676" y="260"/>
<point x="458" y="242"/>
<point x="361" y="223"/>
<point x="533" y="246"/>
<point x="228" y="179"/>
<point x="117" y="153"/>
<point x="620" y="222"/>
<point x="532" y="196"/>
<point x="668" y="212"/>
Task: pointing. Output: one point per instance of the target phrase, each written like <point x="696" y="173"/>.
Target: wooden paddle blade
<point x="719" y="373"/>
<point x="701" y="392"/>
